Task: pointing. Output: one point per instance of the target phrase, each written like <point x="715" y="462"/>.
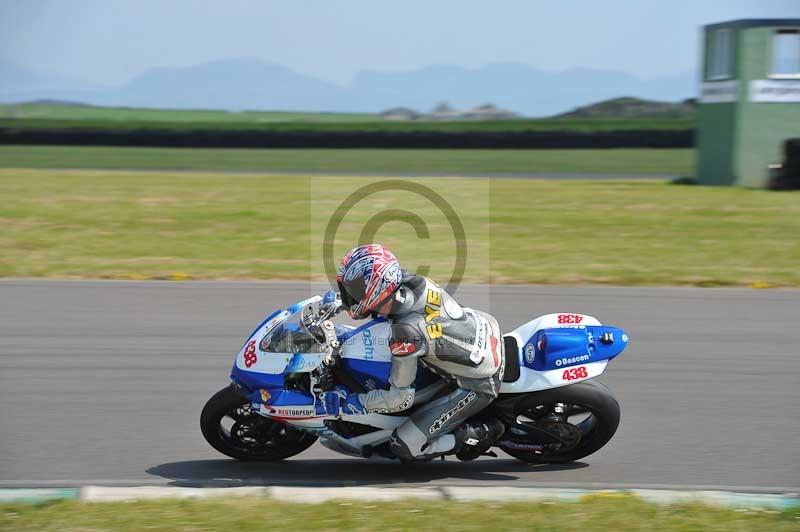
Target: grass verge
<point x="129" y="225"/>
<point x="240" y="514"/>
<point x="618" y="161"/>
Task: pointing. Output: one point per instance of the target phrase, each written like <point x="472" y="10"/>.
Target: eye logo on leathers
<point x="433" y="311"/>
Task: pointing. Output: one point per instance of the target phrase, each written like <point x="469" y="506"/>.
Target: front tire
<point x="568" y="423"/>
<point x="231" y="426"/>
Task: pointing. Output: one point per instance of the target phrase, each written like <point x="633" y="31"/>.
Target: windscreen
<point x="285" y="334"/>
<point x="289" y="337"/>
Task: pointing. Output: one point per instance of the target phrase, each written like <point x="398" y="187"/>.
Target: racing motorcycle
<point x="552" y="410"/>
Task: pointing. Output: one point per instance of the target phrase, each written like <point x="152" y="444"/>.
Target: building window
<point x="719" y="63"/>
<point x="786" y="53"/>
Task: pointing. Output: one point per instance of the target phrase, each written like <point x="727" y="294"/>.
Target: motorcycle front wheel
<point x="561" y="425"/>
<point x="232" y="427"/>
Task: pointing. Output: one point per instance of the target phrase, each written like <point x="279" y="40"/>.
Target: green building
<point x="749" y="99"/>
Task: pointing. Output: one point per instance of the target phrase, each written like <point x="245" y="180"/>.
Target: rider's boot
<point x="474" y="439"/>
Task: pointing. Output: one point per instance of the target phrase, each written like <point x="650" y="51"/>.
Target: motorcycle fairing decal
<point x="290" y="405"/>
<point x="550" y="321"/>
<point x="290" y="412"/>
<point x="289" y="416"/>
<point x="369" y="343"/>
<point x="267" y="363"/>
<point x="533" y="381"/>
<point x="304" y="362"/>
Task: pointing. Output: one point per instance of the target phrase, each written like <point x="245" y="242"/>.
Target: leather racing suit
<point x="462" y="345"/>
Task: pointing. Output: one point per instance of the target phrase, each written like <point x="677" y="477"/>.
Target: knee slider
<point x="400" y="448"/>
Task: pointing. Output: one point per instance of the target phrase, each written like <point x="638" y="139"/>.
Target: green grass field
<point x="617" y="513"/>
<point x="43" y="115"/>
<point x="90" y="113"/>
<point x="138" y="225"/>
<point x="457" y="162"/>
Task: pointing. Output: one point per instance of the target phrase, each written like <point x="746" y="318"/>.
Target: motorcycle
<point x="552" y="410"/>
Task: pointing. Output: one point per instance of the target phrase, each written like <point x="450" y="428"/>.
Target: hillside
<point x="630" y="107"/>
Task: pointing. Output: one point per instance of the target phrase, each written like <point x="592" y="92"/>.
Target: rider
<point x="462" y="345"/>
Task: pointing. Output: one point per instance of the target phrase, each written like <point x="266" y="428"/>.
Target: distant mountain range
<point x="251" y="84"/>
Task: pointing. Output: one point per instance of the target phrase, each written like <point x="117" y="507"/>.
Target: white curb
<point x="511" y="494"/>
<point x="139" y="493"/>
<point x="720" y="498"/>
<point x="379" y="494"/>
<point x="316" y="495"/>
<point x="712" y="498"/>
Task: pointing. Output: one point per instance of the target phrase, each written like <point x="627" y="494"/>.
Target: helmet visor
<point x="349" y="299"/>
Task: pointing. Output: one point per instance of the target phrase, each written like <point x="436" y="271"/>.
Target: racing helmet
<point x="368" y="275"/>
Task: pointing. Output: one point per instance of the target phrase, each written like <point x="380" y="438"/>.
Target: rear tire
<point x="590" y="434"/>
<point x="250" y="436"/>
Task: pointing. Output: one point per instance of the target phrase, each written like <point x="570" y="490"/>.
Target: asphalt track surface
<point x="103" y="383"/>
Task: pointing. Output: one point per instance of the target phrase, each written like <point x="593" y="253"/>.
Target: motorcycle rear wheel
<point x="231" y="427"/>
<point x="548" y="418"/>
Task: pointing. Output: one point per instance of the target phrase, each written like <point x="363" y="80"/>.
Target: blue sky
<point x="110" y="41"/>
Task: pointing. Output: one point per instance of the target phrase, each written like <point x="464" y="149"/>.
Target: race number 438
<point x="572" y="319"/>
<point x="250" y="356"/>
<point x="572" y="374"/>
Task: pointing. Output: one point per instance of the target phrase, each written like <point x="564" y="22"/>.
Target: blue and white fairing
<point x="365" y="353"/>
<point x="366" y="356"/>
<point x="561" y="349"/>
<point x="270" y="353"/>
<point x="260" y="369"/>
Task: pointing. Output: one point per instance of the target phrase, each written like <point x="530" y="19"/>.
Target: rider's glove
<point x="329" y="403"/>
<point x="331" y="301"/>
<point x="353" y="405"/>
<point x="337" y="402"/>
